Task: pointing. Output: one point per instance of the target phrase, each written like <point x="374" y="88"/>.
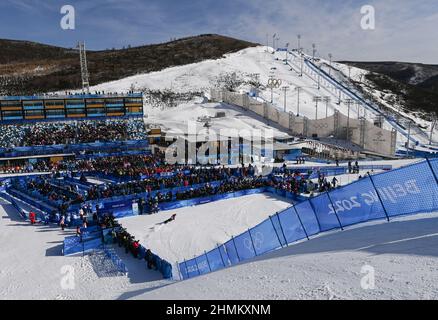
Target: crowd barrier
<point x="74" y="245"/>
<point x="95" y="238"/>
<point x="336" y="171"/>
<point x="74" y="148"/>
<point x="328" y="172"/>
<point x="34" y="198"/>
<point x="164" y="267"/>
<point x="122" y="206"/>
<point x="22" y="212"/>
<point x="33" y="202"/>
<point x="112" y="255"/>
<point x="408" y="190"/>
<point x="203" y="200"/>
<point x="92" y="238"/>
<point x="418" y="154"/>
<point x="113" y="154"/>
<point x="342" y="167"/>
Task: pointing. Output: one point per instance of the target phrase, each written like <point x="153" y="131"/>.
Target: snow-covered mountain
<point x="250" y="69"/>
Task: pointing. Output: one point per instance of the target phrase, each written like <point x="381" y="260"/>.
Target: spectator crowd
<point x="71" y="132"/>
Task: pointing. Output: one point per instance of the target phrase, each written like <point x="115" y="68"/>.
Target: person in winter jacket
<point x="81" y="214"/>
<point x="62" y="223"/>
<point x="95" y="218"/>
<point x="150" y="260"/>
<point x="135" y="247"/>
<point x="32" y="217"/>
<point x="85" y="223"/>
<point x="334" y="182"/>
<point x="78" y="231"/>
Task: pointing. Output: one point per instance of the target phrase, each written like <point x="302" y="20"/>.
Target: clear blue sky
<point x="405" y="29"/>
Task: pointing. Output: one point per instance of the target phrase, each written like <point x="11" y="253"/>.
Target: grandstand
<point x="38" y="130"/>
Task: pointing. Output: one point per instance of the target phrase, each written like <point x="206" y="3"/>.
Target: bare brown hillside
<point x="28" y="67"/>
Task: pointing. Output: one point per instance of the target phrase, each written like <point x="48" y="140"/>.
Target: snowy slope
<point x="420" y="129"/>
<point x="32" y="266"/>
<point x="203" y="76"/>
<point x="177" y="120"/>
<point x="201" y="228"/>
<point x="403" y="254"/>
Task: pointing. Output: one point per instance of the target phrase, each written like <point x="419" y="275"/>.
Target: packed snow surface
<point x="403" y="254"/>
<point x="201" y="228"/>
<point x="184" y="119"/>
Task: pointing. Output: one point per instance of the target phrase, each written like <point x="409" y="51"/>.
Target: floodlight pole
<point x="299" y="42"/>
<point x="330" y="67"/>
<point x="357" y="109"/>
<point x="287" y="49"/>
<point x="313" y="51"/>
<point x="285" y="89"/>
<point x="409" y="138"/>
<point x="349" y="102"/>
<point x="298" y="104"/>
<point x="319" y="77"/>
<point x="272" y="89"/>
<point x="316" y="100"/>
<point x="327" y="101"/>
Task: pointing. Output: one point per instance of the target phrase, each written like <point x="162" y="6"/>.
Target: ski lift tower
<point x="84" y="68"/>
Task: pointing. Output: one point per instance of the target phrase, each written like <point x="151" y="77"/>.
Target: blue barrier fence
<point x="23" y="214"/>
<point x="91" y="238"/>
<point x="161" y="265"/>
<point x="328" y="172"/>
<point x="112" y="255"/>
<point x="75" y="245"/>
<point x="75" y="148"/>
<point x="203" y="200"/>
<point x="409" y="190"/>
<point x="33" y="202"/>
<point x="95" y="238"/>
<point x="418" y="153"/>
<point x="121" y="206"/>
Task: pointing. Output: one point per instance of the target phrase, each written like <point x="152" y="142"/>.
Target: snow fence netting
<point x="409" y="190"/>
